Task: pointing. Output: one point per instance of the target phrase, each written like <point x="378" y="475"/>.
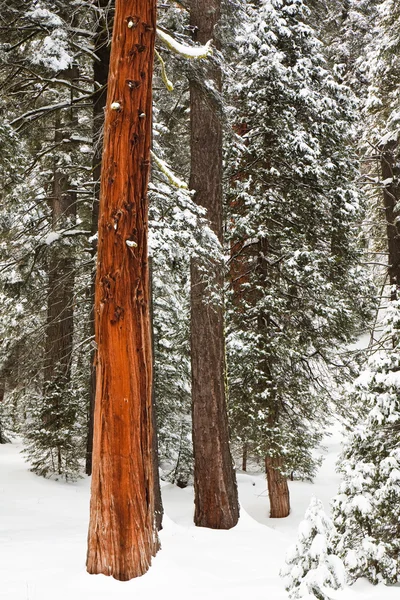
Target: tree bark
<point x="278" y="489"/>
<point x="158" y="504"/>
<point x="391" y="196"/>
<point x="244" y="457"/>
<point x="100" y="77"/>
<point x="60" y="293"/>
<point x="122" y="534"/>
<point x="216" y="499"/>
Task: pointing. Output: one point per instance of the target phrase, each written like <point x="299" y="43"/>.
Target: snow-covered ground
<point x="43" y="526"/>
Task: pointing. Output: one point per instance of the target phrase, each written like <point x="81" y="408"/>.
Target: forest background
<point x="289" y="264"/>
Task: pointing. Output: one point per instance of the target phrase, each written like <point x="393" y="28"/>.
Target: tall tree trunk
<point x="122" y="533"/>
<point x="391" y="196"/>
<point x="278" y="489"/>
<point x="216" y="499"/>
<point x="60" y="293"/>
<point x="100" y="77"/>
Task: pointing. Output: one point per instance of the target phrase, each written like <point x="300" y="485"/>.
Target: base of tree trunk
<point x="277" y="488"/>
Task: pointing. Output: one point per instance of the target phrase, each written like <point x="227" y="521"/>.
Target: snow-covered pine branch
<point x="190" y="52"/>
<point x="167" y="82"/>
<point x="312" y="570"/>
<point x="164" y="168"/>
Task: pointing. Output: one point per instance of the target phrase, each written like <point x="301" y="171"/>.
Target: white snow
<point x="43" y="528"/>
<point x="52" y="237"/>
<point x="190" y="52"/>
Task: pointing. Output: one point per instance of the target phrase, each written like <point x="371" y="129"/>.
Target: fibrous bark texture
<point x="278" y="489"/>
<point x="61" y="274"/>
<point x="216" y="500"/>
<point x="122" y="533"/>
<point x="100" y="73"/>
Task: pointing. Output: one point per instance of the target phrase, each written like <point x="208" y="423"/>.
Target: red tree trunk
<point x="122" y="533"/>
<point x="216" y="499"/>
<point x="100" y="77"/>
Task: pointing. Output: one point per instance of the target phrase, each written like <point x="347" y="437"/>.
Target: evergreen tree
<point x="46" y="249"/>
<point x="312" y="569"/>
<point x="122" y="535"/>
<point x="366" y="507"/>
<point x="216" y="496"/>
<point x="297" y="290"/>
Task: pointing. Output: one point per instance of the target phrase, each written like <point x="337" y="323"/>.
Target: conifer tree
<point x="366" y="507"/>
<point x="312" y="569"/>
<point x="122" y="534"/>
<point x="296" y="286"/>
<point x="43" y="237"/>
<point x="216" y="500"/>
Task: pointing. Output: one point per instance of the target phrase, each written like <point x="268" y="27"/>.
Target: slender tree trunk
<point x="61" y="273"/>
<point x="278" y="489"/>
<point x="100" y="77"/>
<point x="244" y="457"/>
<point x="391" y="197"/>
<point x="216" y="500"/>
<point x="122" y="533"/>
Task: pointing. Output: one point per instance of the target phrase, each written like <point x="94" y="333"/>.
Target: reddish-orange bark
<point x="122" y="533"/>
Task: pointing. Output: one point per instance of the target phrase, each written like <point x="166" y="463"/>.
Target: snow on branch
<point x="164" y="168"/>
<point x="167" y="82"/>
<point x="190" y="52"/>
<point x="55" y="236"/>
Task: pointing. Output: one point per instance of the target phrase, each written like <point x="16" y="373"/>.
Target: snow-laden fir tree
<point x="366" y="508"/>
<point x="297" y="289"/>
<point x="45" y="250"/>
<point x="312" y="568"/>
<point x="381" y="132"/>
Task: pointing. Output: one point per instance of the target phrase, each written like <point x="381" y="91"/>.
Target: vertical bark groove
<point x="122" y="534"/>
<point x="100" y="73"/>
<point x="278" y="489"/>
<point x="216" y="500"/>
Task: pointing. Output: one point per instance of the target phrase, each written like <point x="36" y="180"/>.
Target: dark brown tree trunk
<point x="122" y="533"/>
<point x="391" y="196"/>
<point x="60" y="294"/>
<point x="100" y="77"/>
<point x="216" y="500"/>
<point x="278" y="489"/>
<point x="61" y="281"/>
<point x="244" y="457"/>
<point x="59" y="331"/>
